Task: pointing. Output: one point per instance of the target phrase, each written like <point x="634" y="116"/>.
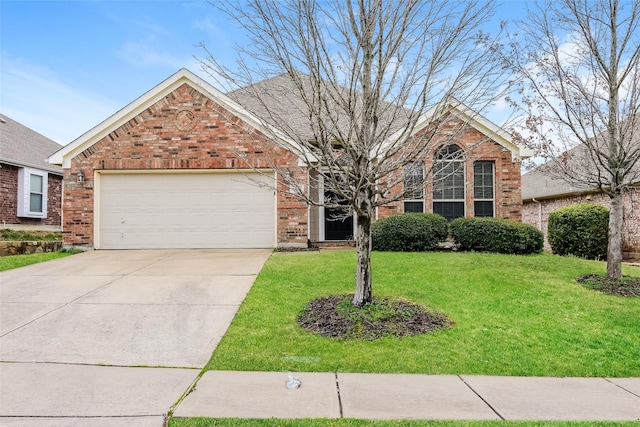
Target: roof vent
<point x="2" y="120"/>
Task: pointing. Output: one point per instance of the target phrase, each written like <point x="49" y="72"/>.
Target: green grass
<point x="235" y="422"/>
<point x="514" y="315"/>
<point x="15" y="261"/>
<point x="25" y="235"/>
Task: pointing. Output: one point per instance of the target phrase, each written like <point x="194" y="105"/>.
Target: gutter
<point x="50" y="169"/>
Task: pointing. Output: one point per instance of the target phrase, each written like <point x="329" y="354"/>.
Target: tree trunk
<point x="614" y="249"/>
<point x="363" y="294"/>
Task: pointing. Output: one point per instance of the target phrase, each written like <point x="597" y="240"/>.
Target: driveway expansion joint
<point x="621" y="387"/>
<point x="339" y="397"/>
<point x="482" y="398"/>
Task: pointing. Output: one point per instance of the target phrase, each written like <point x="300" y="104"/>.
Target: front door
<point x="336" y="225"/>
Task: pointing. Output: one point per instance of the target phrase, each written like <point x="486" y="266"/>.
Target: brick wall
<point x="537" y="214"/>
<point x="9" y="199"/>
<point x="476" y="146"/>
<point x="8" y="193"/>
<point x="183" y="130"/>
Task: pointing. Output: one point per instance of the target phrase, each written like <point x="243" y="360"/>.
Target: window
<point x="32" y="193"/>
<point x="483" y="194"/>
<point x="35" y="194"/>
<point x="448" y="182"/>
<point x="414" y="187"/>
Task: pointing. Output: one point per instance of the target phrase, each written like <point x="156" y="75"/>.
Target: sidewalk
<point x="226" y="394"/>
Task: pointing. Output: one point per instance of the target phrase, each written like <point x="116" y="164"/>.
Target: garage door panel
<point x="147" y="211"/>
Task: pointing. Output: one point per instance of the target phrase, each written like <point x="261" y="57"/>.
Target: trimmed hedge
<point x="409" y="232"/>
<point x="496" y="235"/>
<point x="580" y="230"/>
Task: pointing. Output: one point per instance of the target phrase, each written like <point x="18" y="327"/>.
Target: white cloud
<point x="39" y="99"/>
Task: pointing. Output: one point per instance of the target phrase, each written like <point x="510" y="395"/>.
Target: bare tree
<point x="346" y="82"/>
<point x="580" y="64"/>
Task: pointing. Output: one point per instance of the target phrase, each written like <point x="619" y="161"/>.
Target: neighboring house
<point x="178" y="168"/>
<point x="30" y="187"/>
<point x="542" y="194"/>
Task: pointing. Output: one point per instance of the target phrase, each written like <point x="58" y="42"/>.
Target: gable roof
<point x="284" y="102"/>
<point x="476" y="121"/>
<point x="183" y="76"/>
<point x="21" y="146"/>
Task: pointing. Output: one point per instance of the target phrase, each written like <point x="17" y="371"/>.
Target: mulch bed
<point x="335" y="317"/>
<point x="624" y="287"/>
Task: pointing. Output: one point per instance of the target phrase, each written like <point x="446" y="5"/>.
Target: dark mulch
<point x="624" y="287"/>
<point x="335" y="317"/>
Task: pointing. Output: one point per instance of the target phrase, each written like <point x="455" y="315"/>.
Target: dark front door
<point x="338" y="224"/>
<point x="336" y="227"/>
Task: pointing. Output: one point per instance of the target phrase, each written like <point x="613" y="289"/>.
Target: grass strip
<point x="237" y="422"/>
<point x="16" y="261"/>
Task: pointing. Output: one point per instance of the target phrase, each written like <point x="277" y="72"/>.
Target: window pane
<point x="483" y="180"/>
<point x="35" y="201"/>
<point x="449" y="152"/>
<point x="449" y="210"/>
<point x="414" y="180"/>
<point x="36" y="183"/>
<point x="483" y="209"/>
<point x="448" y="180"/>
<point x="413" y="207"/>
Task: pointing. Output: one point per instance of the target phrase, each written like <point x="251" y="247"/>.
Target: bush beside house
<point x="409" y="232"/>
<point x="496" y="235"/>
<point x="580" y="230"/>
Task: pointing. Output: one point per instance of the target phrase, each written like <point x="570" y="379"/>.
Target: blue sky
<point x="67" y="65"/>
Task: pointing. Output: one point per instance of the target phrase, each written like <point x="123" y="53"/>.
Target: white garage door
<point x="185" y="210"/>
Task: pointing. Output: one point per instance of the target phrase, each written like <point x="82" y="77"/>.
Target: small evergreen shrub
<point x="580" y="230"/>
<point x="496" y="235"/>
<point x="409" y="232"/>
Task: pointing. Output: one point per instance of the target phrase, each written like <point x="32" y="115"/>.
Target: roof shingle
<point x="22" y="146"/>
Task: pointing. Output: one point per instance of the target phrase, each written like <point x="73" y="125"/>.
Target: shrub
<point x="409" y="232"/>
<point x="496" y="235"/>
<point x="580" y="230"/>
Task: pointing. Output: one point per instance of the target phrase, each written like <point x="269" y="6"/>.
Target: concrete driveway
<point x="117" y="336"/>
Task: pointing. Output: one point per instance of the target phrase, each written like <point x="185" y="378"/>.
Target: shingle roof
<point x="22" y="146"/>
<point x="537" y="185"/>
<point x="542" y="183"/>
<point x="277" y="101"/>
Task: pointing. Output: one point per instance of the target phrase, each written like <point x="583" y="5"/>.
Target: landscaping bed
<point x="21" y="242"/>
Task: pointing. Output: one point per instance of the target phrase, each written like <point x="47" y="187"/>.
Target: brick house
<point x="30" y="187"/>
<point x="542" y="194"/>
<point x="184" y="166"/>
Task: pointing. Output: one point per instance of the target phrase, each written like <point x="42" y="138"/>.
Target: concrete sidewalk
<point x="226" y="394"/>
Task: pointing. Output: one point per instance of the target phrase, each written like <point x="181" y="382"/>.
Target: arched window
<point x="448" y="182"/>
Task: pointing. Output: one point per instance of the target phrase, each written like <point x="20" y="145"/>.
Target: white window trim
<point x="493" y="182"/>
<point x="24" y="193"/>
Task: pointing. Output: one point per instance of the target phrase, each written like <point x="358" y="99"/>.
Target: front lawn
<point x="514" y="315"/>
<point x="15" y="261"/>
